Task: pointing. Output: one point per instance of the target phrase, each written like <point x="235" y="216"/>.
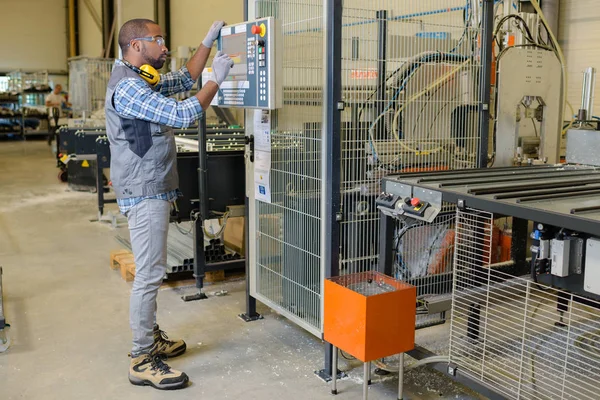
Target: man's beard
<point x="155" y="63"/>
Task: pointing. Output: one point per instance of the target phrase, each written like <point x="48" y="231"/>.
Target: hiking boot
<point x="151" y="370"/>
<point x="165" y="347"/>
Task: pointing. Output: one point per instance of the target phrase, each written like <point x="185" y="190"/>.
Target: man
<point x="56" y="99"/>
<point x="139" y="122"/>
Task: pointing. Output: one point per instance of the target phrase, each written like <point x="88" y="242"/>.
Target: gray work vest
<point x="143" y="154"/>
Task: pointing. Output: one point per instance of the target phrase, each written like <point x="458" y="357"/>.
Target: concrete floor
<point x="69" y="313"/>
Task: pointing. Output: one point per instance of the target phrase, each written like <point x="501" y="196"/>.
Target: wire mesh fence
<point x="410" y="78"/>
<point x="410" y="74"/>
<point x="88" y="79"/>
<point x="288" y="236"/>
<point x="21" y="81"/>
<point x="524" y="339"/>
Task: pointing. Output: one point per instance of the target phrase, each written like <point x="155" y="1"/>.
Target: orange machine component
<point x="443" y="256"/>
<point x="505" y="244"/>
<point x="364" y="320"/>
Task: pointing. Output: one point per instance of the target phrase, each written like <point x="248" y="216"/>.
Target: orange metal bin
<point x="371" y="325"/>
<point x="369" y="315"/>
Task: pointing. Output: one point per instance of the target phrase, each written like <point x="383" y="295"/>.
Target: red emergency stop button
<point x="415" y="202"/>
<point x="256" y="30"/>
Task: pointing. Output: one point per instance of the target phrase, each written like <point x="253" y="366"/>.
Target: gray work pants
<point x="148" y="229"/>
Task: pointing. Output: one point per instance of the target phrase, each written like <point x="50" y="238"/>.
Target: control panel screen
<point x="255" y="79"/>
<point x="236" y="48"/>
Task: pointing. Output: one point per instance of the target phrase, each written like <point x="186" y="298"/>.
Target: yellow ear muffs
<point x="149" y="74"/>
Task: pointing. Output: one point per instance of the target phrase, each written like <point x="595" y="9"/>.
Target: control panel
<point x="400" y="200"/>
<point x="395" y="205"/>
<point x="255" y="80"/>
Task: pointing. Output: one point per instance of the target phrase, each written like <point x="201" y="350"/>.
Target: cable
<point x="429" y="360"/>
<point x="221" y="230"/>
<point x="570" y="124"/>
<point x="529" y="36"/>
<point x="534" y="127"/>
<point x="418" y="95"/>
<point x="349" y="358"/>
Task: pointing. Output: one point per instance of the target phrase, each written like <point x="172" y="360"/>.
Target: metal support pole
<point x="401" y="376"/>
<point x="331" y="152"/>
<point x="381" y="68"/>
<point x="202" y="214"/>
<point x="99" y="186"/>
<point x="366" y="371"/>
<point x="334" y="376"/>
<point x="487" y="15"/>
<point x="250" y="314"/>
<point x="202" y="195"/>
<point x="369" y="368"/>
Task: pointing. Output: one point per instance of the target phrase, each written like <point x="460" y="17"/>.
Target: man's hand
<point x="221" y="66"/>
<point x="213" y="33"/>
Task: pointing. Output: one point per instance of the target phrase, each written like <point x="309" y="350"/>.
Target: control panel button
<point x="415" y="202"/>
<point x="256" y="30"/>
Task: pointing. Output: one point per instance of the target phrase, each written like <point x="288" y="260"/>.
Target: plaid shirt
<point x="133" y="98"/>
<point x="127" y="204"/>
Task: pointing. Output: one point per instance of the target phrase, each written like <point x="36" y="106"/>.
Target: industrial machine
<point x="524" y="327"/>
<point x="402" y="116"/>
<point x="76" y="158"/>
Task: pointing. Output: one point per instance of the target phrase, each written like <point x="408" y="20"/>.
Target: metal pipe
<point x="72" y="40"/>
<point x="485" y="81"/>
<point x="334" y="375"/>
<point x="401" y="376"/>
<point x="366" y="380"/>
<point x="381" y="69"/>
<point x="589" y="84"/>
<point x="551" y="10"/>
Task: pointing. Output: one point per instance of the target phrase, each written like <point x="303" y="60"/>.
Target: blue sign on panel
<point x="433" y="35"/>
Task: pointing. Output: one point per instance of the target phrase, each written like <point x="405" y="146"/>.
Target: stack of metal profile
<point x="180" y="249"/>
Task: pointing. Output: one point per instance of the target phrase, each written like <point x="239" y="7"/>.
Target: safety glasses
<point x="158" y="39"/>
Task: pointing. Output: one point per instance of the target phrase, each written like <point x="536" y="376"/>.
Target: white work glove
<point x="213" y="33"/>
<point x="221" y="66"/>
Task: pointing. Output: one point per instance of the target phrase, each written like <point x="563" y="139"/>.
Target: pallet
<point x="123" y="260"/>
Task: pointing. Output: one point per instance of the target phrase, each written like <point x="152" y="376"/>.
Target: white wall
<point x="90" y="37"/>
<point x="190" y="19"/>
<point x="34" y="35"/>
<point x="579" y="30"/>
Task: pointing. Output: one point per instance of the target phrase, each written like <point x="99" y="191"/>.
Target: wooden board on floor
<point x="124" y="261"/>
<point x="214" y="276"/>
